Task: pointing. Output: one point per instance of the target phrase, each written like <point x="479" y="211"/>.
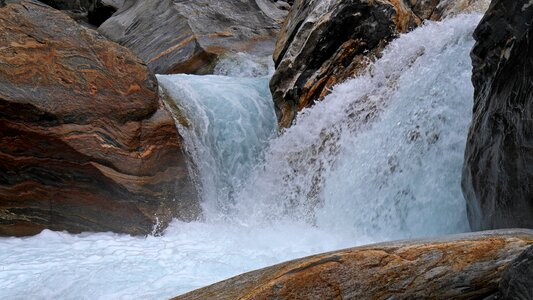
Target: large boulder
<point x="324" y="42"/>
<point x="465" y="266"/>
<point x="498" y="170"/>
<point x="85" y="142"/>
<point x="189" y="36"/>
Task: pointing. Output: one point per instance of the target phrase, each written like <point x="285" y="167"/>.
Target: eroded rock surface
<point x="189" y="36"/>
<point x="322" y="43"/>
<point x="457" y="267"/>
<point x="498" y="171"/>
<point x="85" y="142"/>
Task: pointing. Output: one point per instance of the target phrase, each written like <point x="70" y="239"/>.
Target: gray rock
<point x="498" y="172"/>
<point x="116" y="4"/>
<point x="189" y="36"/>
<point x="517" y="280"/>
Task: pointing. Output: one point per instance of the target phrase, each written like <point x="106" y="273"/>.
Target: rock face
<point x="323" y="43"/>
<point x="85" y="142"/>
<point x="457" y="267"/>
<point x="498" y="171"/>
<point x="189" y="36"/>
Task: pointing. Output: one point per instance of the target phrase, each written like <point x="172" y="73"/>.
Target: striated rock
<point x="517" y="280"/>
<point x="85" y="142"/>
<point x="467" y="266"/>
<point x="322" y="43"/>
<point x="189" y="36"/>
<point x="498" y="171"/>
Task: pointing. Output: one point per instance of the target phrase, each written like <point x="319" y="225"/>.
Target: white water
<point x="379" y="159"/>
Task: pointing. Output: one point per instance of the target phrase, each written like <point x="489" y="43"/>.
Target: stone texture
<point x="188" y="36"/>
<point x="465" y="266"/>
<point x="85" y="142"/>
<point x="322" y="43"/>
<point x="498" y="171"/>
<point x="517" y="280"/>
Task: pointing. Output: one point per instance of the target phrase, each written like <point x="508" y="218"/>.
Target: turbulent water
<point x="379" y="159"/>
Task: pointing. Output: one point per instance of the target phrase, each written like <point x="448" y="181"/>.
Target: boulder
<point x="85" y="142"/>
<point x="498" y="171"/>
<point x="189" y="36"/>
<point x="323" y="43"/>
<point x="467" y="266"/>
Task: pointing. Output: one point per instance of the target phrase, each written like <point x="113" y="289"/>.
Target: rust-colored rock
<point x="467" y="266"/>
<point x="85" y="142"/>
<point x="323" y="43"/>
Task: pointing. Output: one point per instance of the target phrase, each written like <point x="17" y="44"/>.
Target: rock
<point x="85" y="142"/>
<point x="189" y="36"/>
<point x="498" y="171"/>
<point x="89" y="13"/>
<point x="323" y="43"/>
<point x="448" y="8"/>
<point x="517" y="280"/>
<point x="467" y="266"/>
<point x="115" y="4"/>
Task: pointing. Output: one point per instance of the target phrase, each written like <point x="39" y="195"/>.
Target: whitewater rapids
<point x="379" y="159"/>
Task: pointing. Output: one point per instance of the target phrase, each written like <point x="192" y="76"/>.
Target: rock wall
<point x="468" y="266"/>
<point x="85" y="142"/>
<point x="324" y="42"/>
<point x="189" y="36"/>
<point x="498" y="171"/>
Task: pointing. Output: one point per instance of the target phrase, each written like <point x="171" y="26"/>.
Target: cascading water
<point x="378" y="159"/>
<point x="232" y="119"/>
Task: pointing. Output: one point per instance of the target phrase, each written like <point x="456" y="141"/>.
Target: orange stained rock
<point x="454" y="267"/>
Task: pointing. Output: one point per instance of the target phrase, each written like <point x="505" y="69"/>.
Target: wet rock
<point x="450" y="8"/>
<point x="323" y="43"/>
<point x="498" y="170"/>
<point x="85" y="142"/>
<point x="465" y="266"/>
<point x="189" y="36"/>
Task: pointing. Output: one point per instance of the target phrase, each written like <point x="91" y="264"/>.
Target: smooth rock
<point x="466" y="266"/>
<point x="85" y="142"/>
<point x="325" y="42"/>
<point x="189" y="36"/>
<point x="498" y="171"/>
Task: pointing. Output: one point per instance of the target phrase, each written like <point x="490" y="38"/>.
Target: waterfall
<point x="379" y="159"/>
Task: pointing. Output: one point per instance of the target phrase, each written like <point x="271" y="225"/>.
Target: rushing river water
<point x="379" y="159"/>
